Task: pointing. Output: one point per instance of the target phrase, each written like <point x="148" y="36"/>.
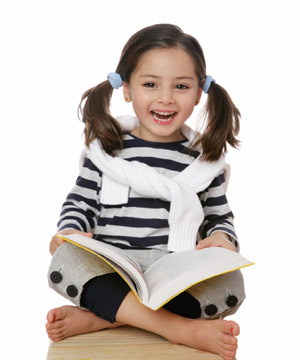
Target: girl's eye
<point x="150" y="85"/>
<point x="181" y="87"/>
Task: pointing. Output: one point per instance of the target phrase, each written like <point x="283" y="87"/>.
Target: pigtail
<point x="222" y="124"/>
<point x="99" y="123"/>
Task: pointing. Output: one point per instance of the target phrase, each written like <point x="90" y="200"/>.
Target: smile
<point x="163" y="118"/>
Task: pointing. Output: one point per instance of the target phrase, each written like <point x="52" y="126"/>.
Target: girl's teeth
<point x="162" y="115"/>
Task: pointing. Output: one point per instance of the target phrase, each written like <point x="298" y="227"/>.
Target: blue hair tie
<point x="115" y="80"/>
<point x="209" y="79"/>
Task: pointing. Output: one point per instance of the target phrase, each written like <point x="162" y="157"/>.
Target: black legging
<point x="104" y="294"/>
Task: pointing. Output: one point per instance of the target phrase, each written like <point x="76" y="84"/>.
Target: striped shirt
<point x="142" y="222"/>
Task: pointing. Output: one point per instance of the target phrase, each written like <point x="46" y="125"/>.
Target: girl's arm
<point x="217" y="228"/>
<point x="82" y="207"/>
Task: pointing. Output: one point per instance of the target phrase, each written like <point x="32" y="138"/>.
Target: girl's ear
<point x="126" y="92"/>
<point x="198" y="97"/>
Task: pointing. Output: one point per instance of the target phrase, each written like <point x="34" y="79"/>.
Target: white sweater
<point x="186" y="213"/>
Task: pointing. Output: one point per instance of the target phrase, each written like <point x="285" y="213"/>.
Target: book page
<point x="176" y="272"/>
<point x="125" y="265"/>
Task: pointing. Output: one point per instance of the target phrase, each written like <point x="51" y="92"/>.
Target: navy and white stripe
<point x="142" y="222"/>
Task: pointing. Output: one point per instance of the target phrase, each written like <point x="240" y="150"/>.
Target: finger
<point x="90" y="235"/>
<point x="52" y="248"/>
<point x="204" y="243"/>
<point x="55" y="243"/>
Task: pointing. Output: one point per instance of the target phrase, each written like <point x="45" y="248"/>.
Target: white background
<point x="52" y="51"/>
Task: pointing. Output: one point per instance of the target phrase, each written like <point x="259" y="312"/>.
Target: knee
<point x="71" y="268"/>
<point x="220" y="296"/>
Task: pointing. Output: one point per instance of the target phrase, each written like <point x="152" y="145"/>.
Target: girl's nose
<point x="165" y="97"/>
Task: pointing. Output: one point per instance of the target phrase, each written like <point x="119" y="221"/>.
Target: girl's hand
<point x="217" y="239"/>
<point x="57" y="241"/>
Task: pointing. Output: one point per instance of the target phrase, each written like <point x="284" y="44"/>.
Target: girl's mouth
<point x="162" y="117"/>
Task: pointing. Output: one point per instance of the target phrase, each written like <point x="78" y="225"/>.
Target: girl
<point x="150" y="185"/>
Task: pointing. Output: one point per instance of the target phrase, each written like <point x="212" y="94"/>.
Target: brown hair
<point x="222" y="116"/>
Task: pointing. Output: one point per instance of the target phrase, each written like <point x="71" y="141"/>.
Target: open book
<point x="168" y="276"/>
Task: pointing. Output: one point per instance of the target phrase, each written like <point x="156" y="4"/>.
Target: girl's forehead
<point x="166" y="60"/>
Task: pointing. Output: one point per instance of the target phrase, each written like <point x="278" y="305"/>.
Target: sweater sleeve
<point x="81" y="208"/>
<point x="218" y="215"/>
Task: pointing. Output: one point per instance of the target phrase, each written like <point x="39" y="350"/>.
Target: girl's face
<point x="164" y="90"/>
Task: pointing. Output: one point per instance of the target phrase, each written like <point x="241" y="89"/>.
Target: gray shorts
<point x="72" y="267"/>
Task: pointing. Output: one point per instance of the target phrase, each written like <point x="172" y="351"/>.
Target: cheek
<point x="189" y="106"/>
<point x="140" y="100"/>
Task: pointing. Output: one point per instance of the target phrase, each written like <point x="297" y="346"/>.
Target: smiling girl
<point x="125" y="196"/>
<point x="164" y="93"/>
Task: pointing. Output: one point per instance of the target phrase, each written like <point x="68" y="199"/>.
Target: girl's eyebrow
<point x="186" y="77"/>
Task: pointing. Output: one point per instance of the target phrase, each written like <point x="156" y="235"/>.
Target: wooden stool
<point x="123" y="343"/>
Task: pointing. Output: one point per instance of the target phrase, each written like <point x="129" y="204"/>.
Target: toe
<point x="229" y="357"/>
<point x="51" y="316"/>
<point x="232" y="328"/>
<point x="55" y="338"/>
<point x="56" y="334"/>
<point x="231" y="340"/>
<point x="229" y="354"/>
<point x="55" y="325"/>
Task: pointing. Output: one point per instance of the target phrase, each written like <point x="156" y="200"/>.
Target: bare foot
<point x="68" y="321"/>
<point x="217" y="336"/>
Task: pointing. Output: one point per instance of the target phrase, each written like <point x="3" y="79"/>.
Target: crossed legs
<point x="217" y="336"/>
